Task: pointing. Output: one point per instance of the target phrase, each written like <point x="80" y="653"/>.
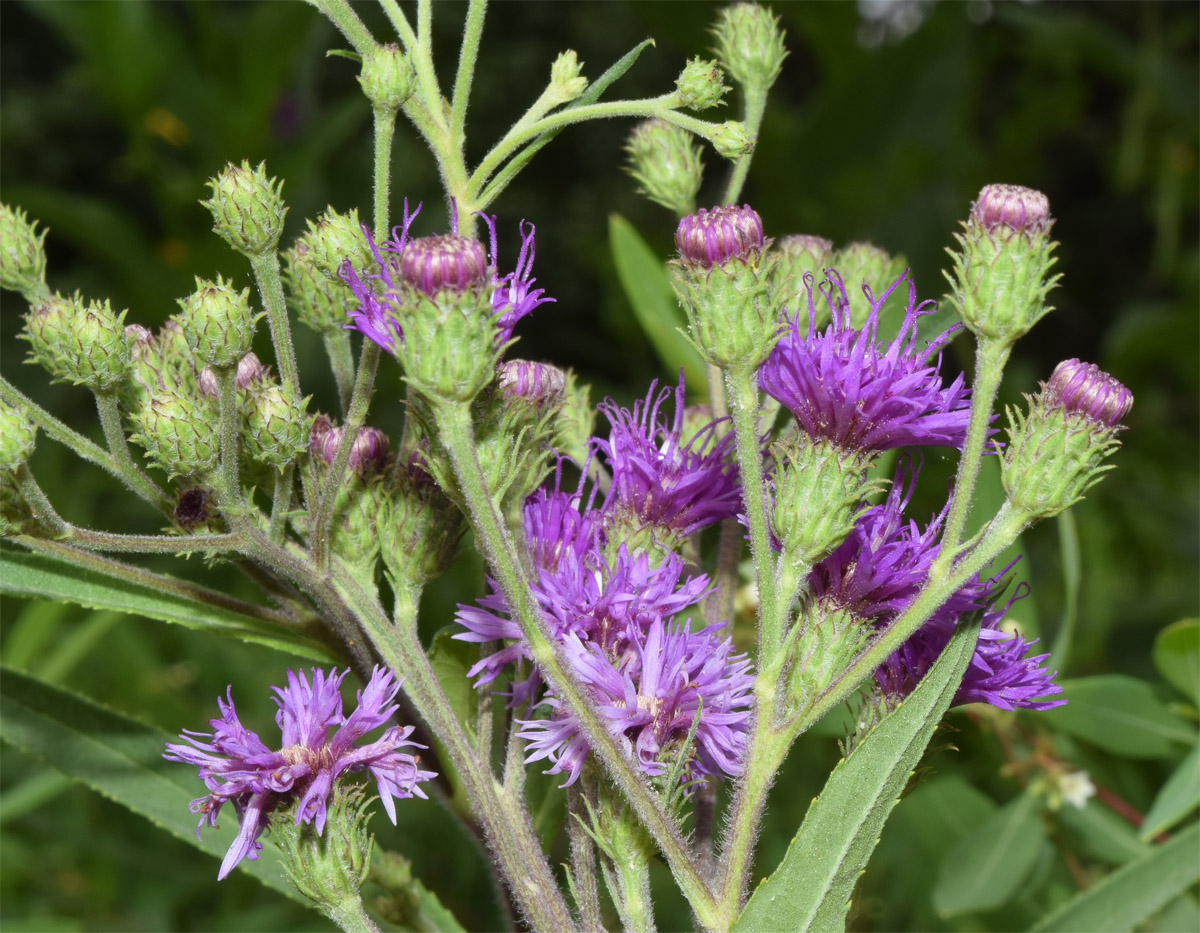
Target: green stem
<point x="151" y="544"/>
<point x="506" y="824"/>
<point x="227" y="398"/>
<point x="360" y="401"/>
<point x="583" y="862"/>
<point x="385" y="129"/>
<point x="281" y="502"/>
<point x="454" y="427"/>
<point x="756" y="104"/>
<point x="422" y="60"/>
<point x="341" y="361"/>
<point x="350" y="916"/>
<point x="342" y="15"/>
<point x="400" y="23"/>
<point x="126" y="470"/>
<point x="467" y="56"/>
<point x="990" y="357"/>
<point x="742" y="384"/>
<point x="270" y="288"/>
<point x="43" y="511"/>
<point x="632" y="896"/>
<point x="1068" y="538"/>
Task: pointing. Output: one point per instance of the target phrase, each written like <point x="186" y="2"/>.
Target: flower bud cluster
<point x="22" y="254"/>
<point x="665" y="162"/>
<point x="310" y="269"/>
<point x="1001" y="272"/>
<point x="1056" y="449"/>
<point x="247" y="208"/>
<point x="78" y="343"/>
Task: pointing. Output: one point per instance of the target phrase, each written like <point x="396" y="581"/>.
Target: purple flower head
<point x="433" y="264"/>
<point x="845" y="387"/>
<point x="560" y="525"/>
<point x="1001" y="672"/>
<point x="1008" y="209"/>
<point x="1085" y="389"/>
<point x="649" y="700"/>
<point x="660" y="479"/>
<point x="237" y="767"/>
<point x="710" y="238"/>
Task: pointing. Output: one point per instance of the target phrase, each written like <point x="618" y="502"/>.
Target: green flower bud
<point x="722" y="280"/>
<point x="750" y="44"/>
<point x="217" y="322"/>
<point x="1056" y="450"/>
<point x="566" y="78"/>
<point x="796" y="256"/>
<point x="1001" y="274"/>
<point x="310" y="269"/>
<point x="15" y="516"/>
<point x="665" y="161"/>
<point x="422" y="528"/>
<point x="361" y="511"/>
<point x="22" y="254"/>
<point x="575" y="420"/>
<point x="178" y="433"/>
<point x="157" y="362"/>
<point x="85" y="345"/>
<point x="276" y="429"/>
<point x="863" y="264"/>
<point x="831" y="638"/>
<point x="820" y="492"/>
<point x="387" y="78"/>
<point x="328" y="867"/>
<point x="247" y="208"/>
<point x="731" y="140"/>
<point x="17" y="437"/>
<point x="701" y="85"/>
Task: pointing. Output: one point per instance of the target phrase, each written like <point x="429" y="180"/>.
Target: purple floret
<point x="660" y="478"/>
<point x="237" y="767"/>
<point x="845" y="387"/>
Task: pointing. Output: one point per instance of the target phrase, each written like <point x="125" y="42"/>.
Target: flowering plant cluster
<point x="670" y="600"/>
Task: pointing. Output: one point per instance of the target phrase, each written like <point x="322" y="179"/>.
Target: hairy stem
<point x="281" y="502"/>
<point x="270" y="288"/>
<point x="756" y="104"/>
<point x="385" y="130"/>
<point x="227" y="397"/>
<point x="472" y="30"/>
<point x="342" y="15"/>
<point x="341" y="362"/>
<point x="118" y="447"/>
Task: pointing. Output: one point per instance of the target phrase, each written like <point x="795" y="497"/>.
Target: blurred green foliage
<point x="112" y="116"/>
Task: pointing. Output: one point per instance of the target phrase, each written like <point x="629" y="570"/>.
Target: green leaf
<point x="450" y="660"/>
<point x="811" y="888"/>
<point x="1179" y="796"/>
<point x="1122" y="900"/>
<point x="1103" y="834"/>
<point x="121" y="759"/>
<point x="985" y="870"/>
<point x="1177" y="656"/>
<point x="1122" y="715"/>
<point x="644" y="278"/>
<point x="105" y="584"/>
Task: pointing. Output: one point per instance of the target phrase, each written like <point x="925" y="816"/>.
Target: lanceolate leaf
<point x="812" y="887"/>
<point x="107" y="584"/>
<point x="1122" y="715"/>
<point x="1129" y="895"/>
<point x="1179" y="796"/>
<point x="122" y="759"/>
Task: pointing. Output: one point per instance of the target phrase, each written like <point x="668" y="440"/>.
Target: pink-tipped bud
<point x="324" y="439"/>
<point x="445" y="262"/>
<point x="1003" y="208"/>
<point x="538" y="383"/>
<point x="250" y="373"/>
<point x="138" y="335"/>
<point x="368" y="455"/>
<point x="712" y="238"/>
<point x="1085" y="389"/>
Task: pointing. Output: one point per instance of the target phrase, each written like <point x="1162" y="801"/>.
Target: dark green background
<point x="112" y="116"/>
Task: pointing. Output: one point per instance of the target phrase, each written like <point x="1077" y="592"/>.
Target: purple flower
<point x="845" y="387"/>
<point x="430" y="265"/>
<point x="1085" y="389"/>
<point x="660" y="480"/>
<point x="237" y="767"/>
<point x="648" y="702"/>
<point x="710" y="238"/>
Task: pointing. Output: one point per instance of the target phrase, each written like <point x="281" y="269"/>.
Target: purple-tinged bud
<point x="722" y="279"/>
<point x="445" y="262"/>
<point x="1056" y="449"/>
<point x="1085" y="389"/>
<point x="540" y="384"/>
<point x="1001" y="273"/>
<point x="368" y="455"/>
<point x="250" y="375"/>
<point x="324" y="440"/>
<point x="138" y="336"/>
<point x="712" y="238"/>
<point x="247" y="207"/>
<point x="1003" y="208"/>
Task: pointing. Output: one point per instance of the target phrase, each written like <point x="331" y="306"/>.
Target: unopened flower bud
<point x="86" y="345"/>
<point x="17" y="437"/>
<point x="538" y="384"/>
<point x="387" y="78"/>
<point x="665" y="161"/>
<point x="247" y="208"/>
<point x="701" y="85"/>
<point x="310" y="269"/>
<point x="368" y="455"/>
<point x="444" y="262"/>
<point x="732" y="141"/>
<point x="361" y="510"/>
<point x="1002" y="272"/>
<point x="251" y="374"/>
<point x="750" y="44"/>
<point x="22" y="254"/>
<point x="178" y="433"/>
<point x="796" y="256"/>
<point x="420" y="536"/>
<point x="575" y="420"/>
<point x="1056" y="450"/>
<point x="721" y="278"/>
<point x="217" y="322"/>
<point x="864" y="265"/>
<point x="566" y="77"/>
<point x="276" y="430"/>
